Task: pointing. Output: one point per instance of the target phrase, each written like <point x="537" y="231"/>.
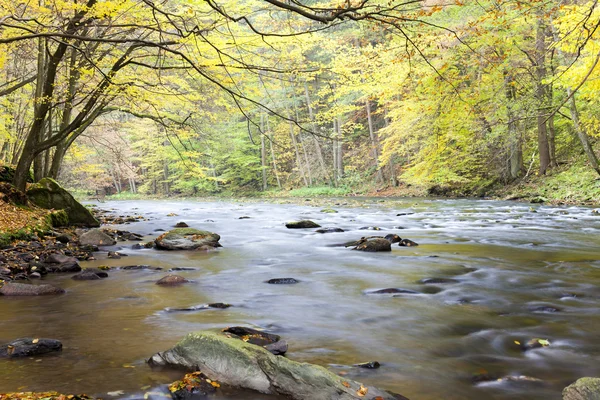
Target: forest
<point x="246" y="96"/>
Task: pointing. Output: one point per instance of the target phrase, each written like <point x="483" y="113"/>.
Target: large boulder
<point x="47" y="193"/>
<point x="243" y="365"/>
<point x="24" y="289"/>
<point x="187" y="239"/>
<point x="28" y="347"/>
<point x="95" y="237"/>
<point x="583" y="389"/>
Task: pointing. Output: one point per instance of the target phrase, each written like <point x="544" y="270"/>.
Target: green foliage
<point x="323" y="191"/>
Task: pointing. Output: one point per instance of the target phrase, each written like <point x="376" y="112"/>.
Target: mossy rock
<point x="58" y="218"/>
<point x="583" y="389"/>
<point x="240" y="364"/>
<point x="47" y="193"/>
<point x="329" y="211"/>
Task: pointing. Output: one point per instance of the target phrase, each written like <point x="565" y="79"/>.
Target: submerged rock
<point x="199" y="307"/>
<point x="95" y="237"/>
<point x="407" y="243"/>
<point x="181" y="224"/>
<point x="187" y="239"/>
<point x="172" y="280"/>
<point x="393" y="238"/>
<point x="243" y="365"/>
<point x="304" y="224"/>
<point x="28" y="347"/>
<point x="392" y="291"/>
<point x="47" y="193"/>
<point x="437" y="281"/>
<point x="24" y="289"/>
<point x="369" y="365"/>
<point x="282" y="281"/>
<point x="583" y="389"/>
<point x="329" y="230"/>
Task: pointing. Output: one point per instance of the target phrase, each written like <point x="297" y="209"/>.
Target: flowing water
<point x="518" y="275"/>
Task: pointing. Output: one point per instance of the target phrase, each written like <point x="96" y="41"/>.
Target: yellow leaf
<point x="35" y="341"/>
<point x="517" y="342"/>
<point x="215" y="384"/>
<point x="362" y="391"/>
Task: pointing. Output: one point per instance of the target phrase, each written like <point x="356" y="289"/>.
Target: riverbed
<point x="513" y="272"/>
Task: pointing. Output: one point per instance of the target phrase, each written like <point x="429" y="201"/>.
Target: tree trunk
<point x="273" y="153"/>
<point x="374" y="142"/>
<point x="542" y="95"/>
<point x="581" y="134"/>
<point x="340" y="154"/>
<point x="316" y="141"/>
<point x="515" y="156"/>
<point x="298" y="159"/>
<point x="263" y="152"/>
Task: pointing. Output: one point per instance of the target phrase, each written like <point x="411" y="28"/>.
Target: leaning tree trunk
<point x="541" y="94"/>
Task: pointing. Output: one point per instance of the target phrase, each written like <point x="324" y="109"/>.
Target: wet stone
<point x="282" y="281"/>
<point x="369" y="365"/>
<point x="172" y="280"/>
<point x="407" y="243"/>
<point x="543" y="309"/>
<point x="139" y="267"/>
<point x="437" y="281"/>
<point x="23" y="289"/>
<point x="329" y="230"/>
<point x="392" y="291"/>
<point x="29" y="347"/>
<point x="181" y="224"/>
<point x="304" y="224"/>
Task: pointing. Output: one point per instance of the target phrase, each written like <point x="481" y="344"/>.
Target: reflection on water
<point x="519" y="275"/>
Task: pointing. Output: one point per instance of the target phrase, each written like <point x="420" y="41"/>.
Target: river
<point x="517" y="273"/>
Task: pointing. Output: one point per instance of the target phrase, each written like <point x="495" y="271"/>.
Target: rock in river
<point x="282" y="281"/>
<point x="95" y="237"/>
<point x="329" y="230"/>
<point x="583" y="389"/>
<point x="28" y="347"/>
<point x="187" y="239"/>
<point x="172" y="280"/>
<point x="373" y="245"/>
<point x="24" y="289"/>
<point x="60" y="263"/>
<point x="239" y="364"/>
<point x="269" y="341"/>
<point x="302" y="224"/>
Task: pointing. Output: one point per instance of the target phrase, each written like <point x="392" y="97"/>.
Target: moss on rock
<point x="47" y="193"/>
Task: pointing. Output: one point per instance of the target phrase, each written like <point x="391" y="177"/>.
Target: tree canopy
<point x="206" y="96"/>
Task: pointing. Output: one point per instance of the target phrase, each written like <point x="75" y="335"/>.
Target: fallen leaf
<point x="362" y="391"/>
<point x="34" y="341"/>
<point x="346" y="384"/>
<point x="215" y="384"/>
<point x="517" y="342"/>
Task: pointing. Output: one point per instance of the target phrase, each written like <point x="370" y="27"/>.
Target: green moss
<point x="58" y="218"/>
<point x="7" y="238"/>
<point x="186" y="232"/>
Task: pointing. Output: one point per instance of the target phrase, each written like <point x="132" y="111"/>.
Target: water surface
<point x="511" y="267"/>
